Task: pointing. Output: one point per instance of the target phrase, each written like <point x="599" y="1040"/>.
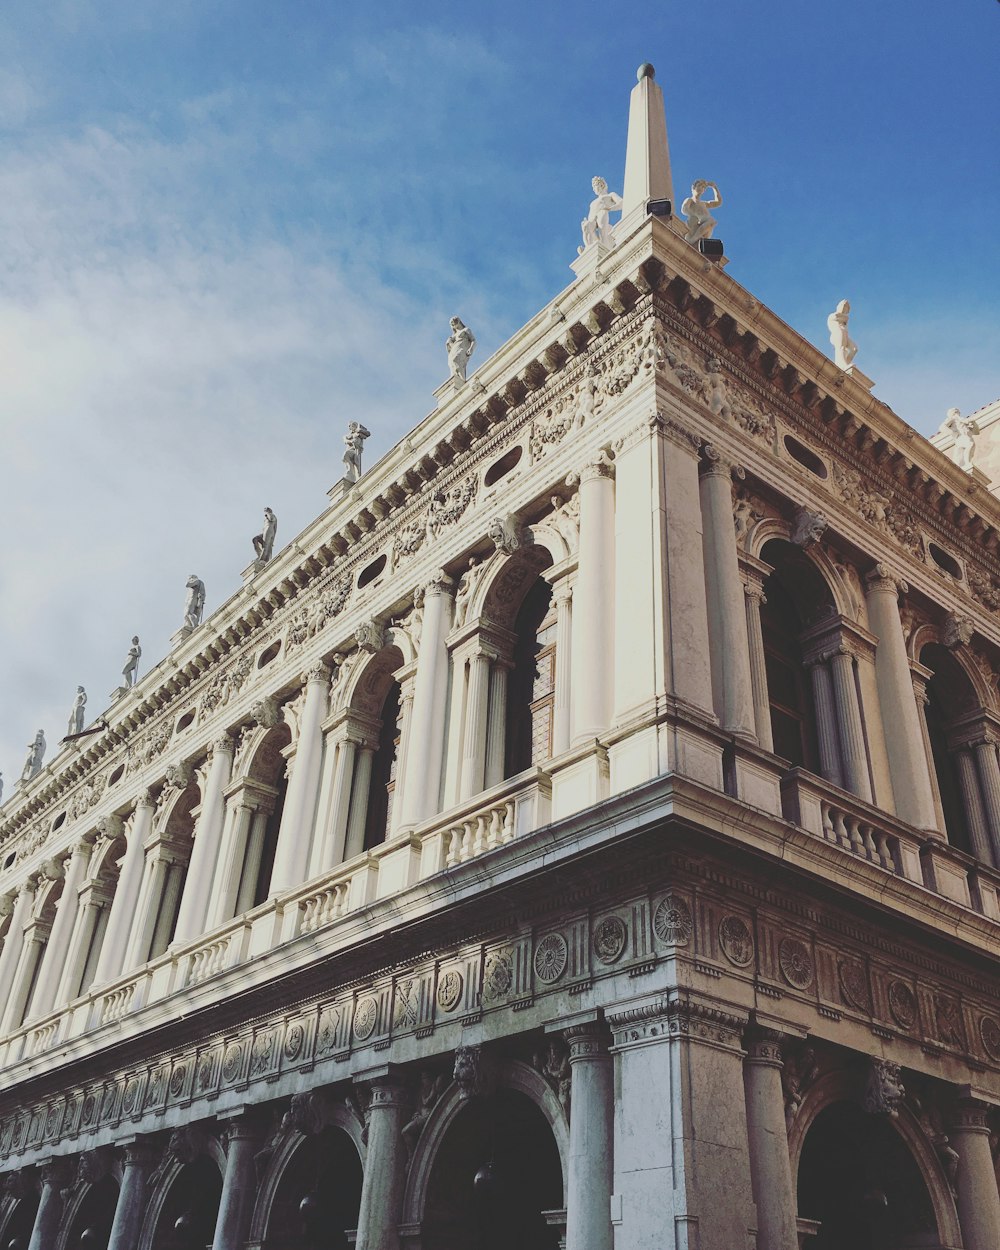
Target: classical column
<point x="419" y="791"/>
<point x="562" y="593"/>
<point x="359" y="801"/>
<point x="126" y="899"/>
<point x="989" y="776"/>
<point x="137" y="1162"/>
<point x="972" y="802"/>
<point x="591" y="1130"/>
<point x="57" y="947"/>
<point x="252" y="861"/>
<point x="56" y="1175"/>
<point x="239" y="819"/>
<point x="978" y="1201"/>
<point x="476" y="707"/>
<point x="140" y="938"/>
<point x="239" y="1184"/>
<point x="292" y="855"/>
<point x="826" y="721"/>
<point x="93" y="900"/>
<point x="770" y="1167"/>
<point x="682" y="1171"/>
<point x="385" y="1168"/>
<point x="36" y="934"/>
<point x="331" y="850"/>
<point x="193" y="915"/>
<point x="753" y="600"/>
<point x="593" y="617"/>
<point x="920" y="676"/>
<point x="402" y="752"/>
<point x="14" y="940"/>
<point x="911" y="783"/>
<point x="496" y="723"/>
<point x="852" y="734"/>
<point x="728" y="644"/>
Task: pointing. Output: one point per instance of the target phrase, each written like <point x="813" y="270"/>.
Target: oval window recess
<point x="9" y="861"/>
<point x="503" y="466"/>
<point x="116" y="775"/>
<point x="59" y="821"/>
<point x="803" y="456"/>
<point x="371" y="572"/>
<point x="183" y="723"/>
<point x="944" y="561"/>
<point x="268" y="655"/>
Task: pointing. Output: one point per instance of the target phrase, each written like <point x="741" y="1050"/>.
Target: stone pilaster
<point x="594" y="616"/>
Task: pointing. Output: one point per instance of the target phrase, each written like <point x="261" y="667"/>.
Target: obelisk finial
<point x="647" y="156"/>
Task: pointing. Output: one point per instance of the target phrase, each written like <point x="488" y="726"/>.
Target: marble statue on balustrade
<point x="844" y="347"/>
<point x="596" y="226"/>
<point x="354" y="442"/>
<point x="460" y="345"/>
<point x="263" y="543"/>
<point x="77" y="712"/>
<point x="194" y="604"/>
<point x="33" y="760"/>
<point x="700" y="222"/>
<point x="131" y="669"/>
<point x="963" y="430"/>
<point x="1" y="787"/>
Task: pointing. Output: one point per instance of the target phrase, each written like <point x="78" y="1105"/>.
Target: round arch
<point x="288" y="1142"/>
<point x="164" y="1183"/>
<point x="369" y="680"/>
<point x="505" y="581"/>
<point x="84" y="1195"/>
<point x="17" y="1217"/>
<point x="842" y="1086"/>
<point x="513" y="1075"/>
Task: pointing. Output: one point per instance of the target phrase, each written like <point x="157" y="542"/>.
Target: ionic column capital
<point x="715" y="464"/>
<point x="586" y="1042"/>
<point x="971" y="1116"/>
<point x="882" y="580"/>
<point x="387" y="1092"/>
<point x="143" y="1155"/>
<point x="763" y="1047"/>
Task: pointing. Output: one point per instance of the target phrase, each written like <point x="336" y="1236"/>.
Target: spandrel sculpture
<point x="844" y="347"/>
<point x="354" y="442"/>
<point x="77" y="713"/>
<point x="700" y="222"/>
<point x="194" y="604"/>
<point x="596" y="226"/>
<point x="460" y="346"/>
<point x="263" y="543"/>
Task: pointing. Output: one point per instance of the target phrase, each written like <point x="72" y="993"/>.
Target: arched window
<point x="531" y="685"/>
<point x="381" y="791"/>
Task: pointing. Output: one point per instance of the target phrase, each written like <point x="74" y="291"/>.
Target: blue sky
<point x="226" y="229"/>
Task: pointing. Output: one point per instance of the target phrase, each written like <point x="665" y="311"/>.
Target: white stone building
<point x="586" y="832"/>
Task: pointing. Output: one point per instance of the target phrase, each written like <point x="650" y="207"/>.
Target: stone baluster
<point x="385" y="1168"/>
<point x="57" y="947"/>
<point x="56" y="1175"/>
<point x="753" y="600"/>
<point x="292" y="855"/>
<point x="239" y="1183"/>
<point x="496" y="723"/>
<point x="137" y="1162"/>
<point x="14" y="940"/>
<point x="476" y="710"/>
<point x="126" y="899"/>
<point x="978" y="1200"/>
<point x="975" y="817"/>
<point x="419" y="792"/>
<point x="988" y="768"/>
<point x="770" y="1167"/>
<point x="562" y="593"/>
<point x="193" y="915"/>
<point x="728" y="643"/>
<point x="853" y="751"/>
<point x="593" y="617"/>
<point x="911" y="783"/>
<point x="826" y="721"/>
<point x="591" y="1130"/>
<point x="359" y="800"/>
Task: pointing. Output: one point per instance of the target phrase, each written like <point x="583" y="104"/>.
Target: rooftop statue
<point x="194" y="604"/>
<point x="354" y="442"/>
<point x="1" y="787"/>
<point x="263" y="543"/>
<point x="77" y="713"/>
<point x="596" y="226"/>
<point x="962" y="429"/>
<point x="844" y="347"/>
<point x="460" y="346"/>
<point x="33" y="760"/>
<point x="700" y="221"/>
<point x="131" y="669"/>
